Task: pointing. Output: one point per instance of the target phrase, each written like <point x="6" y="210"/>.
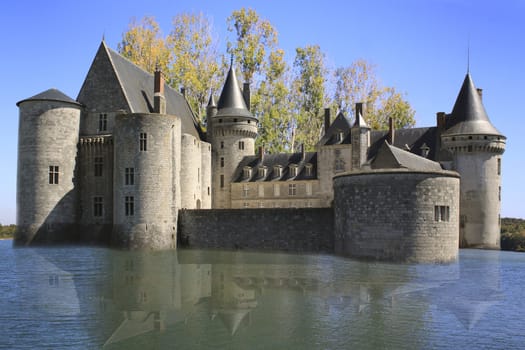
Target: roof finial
<point x="231" y="60"/>
<point x="468" y="55"/>
<point x="103" y="36"/>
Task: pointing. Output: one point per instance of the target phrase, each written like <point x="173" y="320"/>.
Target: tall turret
<point x="360" y="135"/>
<point x="234" y="130"/>
<point x="477" y="148"/>
<point x="47" y="190"/>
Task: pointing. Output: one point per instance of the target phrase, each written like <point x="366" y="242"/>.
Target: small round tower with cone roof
<point x="477" y="148"/>
<point x="233" y="132"/>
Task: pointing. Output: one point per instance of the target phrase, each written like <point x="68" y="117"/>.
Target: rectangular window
<point x="222" y="181"/>
<point x="98" y="206"/>
<point x="261" y="204"/>
<point x="261" y="190"/>
<point x="276" y="190"/>
<point x="103" y="122"/>
<point x="246" y="204"/>
<point x="292" y="189"/>
<point x="222" y="144"/>
<point x="129" y="205"/>
<point x="53" y="175"/>
<point x="222" y="162"/>
<point x="245" y="190"/>
<point x="143" y="141"/>
<point x="499" y="166"/>
<point x="499" y="193"/>
<point x="129" y="177"/>
<point x="308" y="189"/>
<point x="442" y="213"/>
<point x="241" y="145"/>
<point x="99" y="163"/>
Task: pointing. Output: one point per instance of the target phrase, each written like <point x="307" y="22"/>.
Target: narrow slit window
<point x="53" y="174"/>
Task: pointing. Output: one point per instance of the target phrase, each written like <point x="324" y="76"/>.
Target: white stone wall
<point x="328" y="158"/>
<point x="48" y="135"/>
<point x="265" y="195"/>
<point x="191" y="172"/>
<point x="205" y="175"/>
<point x="154" y="221"/>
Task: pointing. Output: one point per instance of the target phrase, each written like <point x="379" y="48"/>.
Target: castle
<point x="121" y="161"/>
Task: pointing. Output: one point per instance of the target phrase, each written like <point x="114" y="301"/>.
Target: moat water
<point x="93" y="298"/>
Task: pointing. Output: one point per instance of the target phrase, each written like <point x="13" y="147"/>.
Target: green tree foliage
<point x="271" y="104"/>
<point x="358" y="83"/>
<point x="144" y="45"/>
<point x="513" y="234"/>
<point x="309" y="95"/>
<point x="7" y="231"/>
<point x="195" y="59"/>
<point x="255" y="38"/>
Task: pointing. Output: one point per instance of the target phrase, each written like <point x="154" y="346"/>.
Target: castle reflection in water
<point x="205" y="299"/>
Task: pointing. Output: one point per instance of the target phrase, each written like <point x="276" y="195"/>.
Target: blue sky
<point x="419" y="47"/>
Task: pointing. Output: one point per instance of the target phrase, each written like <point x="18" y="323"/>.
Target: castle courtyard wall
<point x="290" y="229"/>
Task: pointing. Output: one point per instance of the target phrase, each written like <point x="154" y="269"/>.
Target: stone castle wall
<point x="397" y="215"/>
<point x="47" y="136"/>
<point x="297" y="230"/>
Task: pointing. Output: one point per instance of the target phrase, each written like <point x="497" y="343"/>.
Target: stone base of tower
<point x="144" y="236"/>
<point x="56" y="233"/>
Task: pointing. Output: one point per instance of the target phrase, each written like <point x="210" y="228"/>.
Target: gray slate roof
<point x="392" y="157"/>
<point x="138" y="89"/>
<point x="50" y="95"/>
<point x="414" y="138"/>
<point x="468" y="115"/>
<point x="340" y="124"/>
<point x="231" y="103"/>
<point x="282" y="159"/>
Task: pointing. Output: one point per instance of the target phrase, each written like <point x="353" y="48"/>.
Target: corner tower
<point x="477" y="148"/>
<point x="47" y="189"/>
<point x="360" y="135"/>
<point x="233" y="132"/>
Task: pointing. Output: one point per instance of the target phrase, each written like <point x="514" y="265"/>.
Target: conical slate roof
<point x="50" y="95"/>
<point x="231" y="103"/>
<point x="211" y="101"/>
<point x="468" y="115"/>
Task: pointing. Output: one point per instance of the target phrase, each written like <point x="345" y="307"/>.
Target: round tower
<point x="48" y="135"/>
<point x="233" y="130"/>
<point x="477" y="148"/>
<point x="146" y="180"/>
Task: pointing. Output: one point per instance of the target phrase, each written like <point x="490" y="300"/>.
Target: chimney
<point x="480" y="93"/>
<point x="303" y="153"/>
<point x="326" y="120"/>
<point x="391" y="131"/>
<point x="358" y="109"/>
<point x="441" y="120"/>
<point x="246" y="94"/>
<point x="261" y="154"/>
<point x="159" y="101"/>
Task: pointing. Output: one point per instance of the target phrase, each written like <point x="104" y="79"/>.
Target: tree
<point x="255" y="38"/>
<point x="271" y="105"/>
<point x="144" y="45"/>
<point x="309" y="94"/>
<point x="358" y="83"/>
<point x="195" y="59"/>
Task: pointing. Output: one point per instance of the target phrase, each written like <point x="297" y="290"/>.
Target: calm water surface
<point x="93" y="298"/>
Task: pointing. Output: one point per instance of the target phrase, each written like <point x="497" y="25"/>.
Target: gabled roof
<point x="272" y="160"/>
<point x="135" y="86"/>
<point x="392" y="157"/>
<point x="414" y="138"/>
<point x="231" y="103"/>
<point x="50" y="95"/>
<point x="468" y="115"/>
<point x="340" y="124"/>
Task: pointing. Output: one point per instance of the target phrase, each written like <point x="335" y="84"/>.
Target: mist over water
<point x="92" y="298"/>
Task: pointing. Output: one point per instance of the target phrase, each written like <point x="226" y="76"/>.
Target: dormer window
<point x="262" y="171"/>
<point x="247" y="172"/>
<point x="340" y="136"/>
<point x="425" y="150"/>
<point x="278" y="171"/>
<point x="309" y="169"/>
<point x="293" y="170"/>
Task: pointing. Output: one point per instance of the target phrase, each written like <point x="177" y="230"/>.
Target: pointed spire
<point x="211" y="101"/>
<point x="231" y="101"/>
<point x="468" y="115"/>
